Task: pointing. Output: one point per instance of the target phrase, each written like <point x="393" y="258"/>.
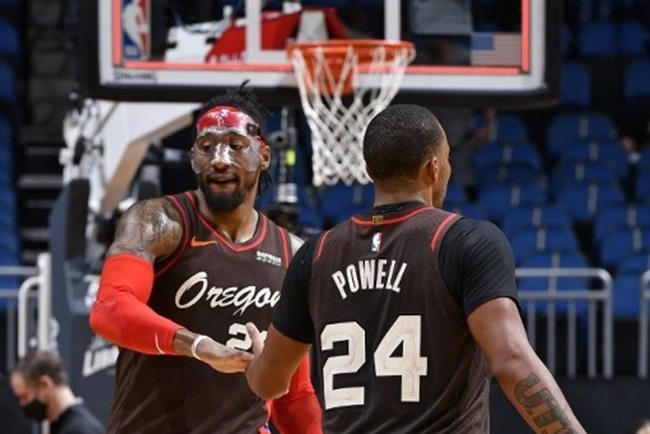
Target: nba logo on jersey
<point x="136" y="36"/>
<point x="376" y="242"/>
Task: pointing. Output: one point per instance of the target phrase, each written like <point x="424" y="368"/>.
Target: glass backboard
<point x="502" y="53"/>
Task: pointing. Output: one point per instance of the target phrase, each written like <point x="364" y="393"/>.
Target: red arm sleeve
<point x="298" y="412"/>
<point x="120" y="313"/>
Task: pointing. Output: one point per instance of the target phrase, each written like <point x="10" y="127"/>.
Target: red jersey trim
<point x="446" y="222"/>
<point x="321" y="244"/>
<point x="285" y="247"/>
<point x="181" y="247"/>
<point x="390" y="221"/>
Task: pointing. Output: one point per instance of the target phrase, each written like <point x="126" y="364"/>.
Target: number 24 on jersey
<point x="410" y="366"/>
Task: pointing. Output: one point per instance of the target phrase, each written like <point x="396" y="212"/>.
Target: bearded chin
<point x="221" y="203"/>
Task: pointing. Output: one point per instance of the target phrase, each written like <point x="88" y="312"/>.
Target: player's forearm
<point x="534" y="393"/>
<point x="120" y="313"/>
<point x="131" y="324"/>
<point x="266" y="383"/>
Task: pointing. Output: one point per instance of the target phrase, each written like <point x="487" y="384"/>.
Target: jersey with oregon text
<point x="394" y="352"/>
<point x="213" y="287"/>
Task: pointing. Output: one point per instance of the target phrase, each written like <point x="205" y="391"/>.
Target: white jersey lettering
<point x="369" y="274"/>
<point x="196" y="286"/>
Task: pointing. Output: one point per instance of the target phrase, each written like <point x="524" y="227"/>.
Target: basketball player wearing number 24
<point x="411" y="309"/>
<point x="184" y="275"/>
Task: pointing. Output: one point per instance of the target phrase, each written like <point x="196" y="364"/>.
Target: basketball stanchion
<point x="343" y="84"/>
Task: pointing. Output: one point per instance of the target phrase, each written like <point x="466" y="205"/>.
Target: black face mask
<point x="35" y="410"/>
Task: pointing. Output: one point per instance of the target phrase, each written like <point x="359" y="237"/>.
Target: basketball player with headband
<point x="184" y="275"/>
<point x="227" y="136"/>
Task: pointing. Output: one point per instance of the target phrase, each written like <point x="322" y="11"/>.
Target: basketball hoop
<point x="343" y="84"/>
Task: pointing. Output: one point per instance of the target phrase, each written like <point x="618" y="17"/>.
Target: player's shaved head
<point x="399" y="139"/>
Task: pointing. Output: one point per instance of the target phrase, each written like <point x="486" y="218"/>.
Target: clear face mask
<point x="226" y="146"/>
<point x="228" y="136"/>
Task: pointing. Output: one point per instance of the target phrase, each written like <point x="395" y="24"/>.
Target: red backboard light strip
<point x="525" y="35"/>
<point x="274" y="67"/>
<point x="117" y="32"/>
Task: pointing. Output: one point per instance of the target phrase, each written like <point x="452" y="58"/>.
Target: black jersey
<point x="212" y="287"/>
<point x="393" y="349"/>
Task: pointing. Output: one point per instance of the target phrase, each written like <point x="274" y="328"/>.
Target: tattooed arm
<point x="525" y="380"/>
<point x="148" y="231"/>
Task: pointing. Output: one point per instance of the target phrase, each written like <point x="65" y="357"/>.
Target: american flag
<point x="496" y="49"/>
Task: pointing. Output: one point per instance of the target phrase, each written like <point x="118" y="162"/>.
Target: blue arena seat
<point x="7" y="84"/>
<point x="508" y="173"/>
<point x="634" y="264"/>
<point x="569" y="172"/>
<point x="619" y="245"/>
<point x="607" y="152"/>
<point x="8" y="198"/>
<point x="642" y="188"/>
<point x="575" y="85"/>
<point x="456" y="196"/>
<point x="626" y="295"/>
<point x="508" y="127"/>
<point x="9" y="282"/>
<point x="551" y="260"/>
<point x="496" y="201"/>
<point x="9" y="242"/>
<point x="636" y="84"/>
<point x="508" y="152"/>
<point x="598" y="38"/>
<point x="633" y="38"/>
<point x="9" y="42"/>
<point x="621" y="217"/>
<point x="584" y="201"/>
<point x="607" y="37"/>
<point x="541" y="216"/>
<point x="557" y="259"/>
<point x="567" y="128"/>
<point x="535" y="240"/>
<point x="6" y="145"/>
<point x="8" y="219"/>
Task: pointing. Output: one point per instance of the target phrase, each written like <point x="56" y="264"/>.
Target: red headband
<point x="230" y="117"/>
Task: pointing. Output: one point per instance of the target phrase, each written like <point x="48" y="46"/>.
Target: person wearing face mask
<point x="40" y="383"/>
<point x="182" y="277"/>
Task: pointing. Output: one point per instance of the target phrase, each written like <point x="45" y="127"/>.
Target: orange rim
<point x="364" y="48"/>
<point x="335" y="51"/>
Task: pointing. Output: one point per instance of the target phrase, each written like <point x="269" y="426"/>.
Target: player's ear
<point x="431" y="169"/>
<point x="369" y="172"/>
<point x="265" y="157"/>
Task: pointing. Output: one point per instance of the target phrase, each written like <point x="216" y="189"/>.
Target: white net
<point x="339" y="106"/>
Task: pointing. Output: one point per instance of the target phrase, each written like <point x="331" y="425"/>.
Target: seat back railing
<point x="36" y="285"/>
<point x="592" y="296"/>
<point x="9" y="295"/>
